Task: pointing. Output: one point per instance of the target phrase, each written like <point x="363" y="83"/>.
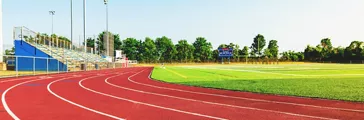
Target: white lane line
<point x="3" y="99"/>
<point x="147" y="104"/>
<point x="213" y="103"/>
<point x="45" y="77"/>
<point x="79" y="105"/>
<point x="250" y="99"/>
<point x="257" y="71"/>
<point x="16" y="79"/>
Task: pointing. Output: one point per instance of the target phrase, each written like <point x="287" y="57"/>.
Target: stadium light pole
<point x="107" y="28"/>
<point x="52" y="13"/>
<point x="84" y="25"/>
<point x="71" y="24"/>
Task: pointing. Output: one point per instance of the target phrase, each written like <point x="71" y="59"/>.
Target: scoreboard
<point x="225" y="52"/>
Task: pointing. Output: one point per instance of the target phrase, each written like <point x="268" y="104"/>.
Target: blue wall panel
<point x="26" y="64"/>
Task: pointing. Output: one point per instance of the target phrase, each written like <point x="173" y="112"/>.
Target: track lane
<point x="120" y="108"/>
<point x="209" y="95"/>
<point x="188" y="106"/>
<point x="31" y="100"/>
<point x="6" y="83"/>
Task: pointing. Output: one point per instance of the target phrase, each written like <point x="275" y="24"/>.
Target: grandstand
<point x="36" y="52"/>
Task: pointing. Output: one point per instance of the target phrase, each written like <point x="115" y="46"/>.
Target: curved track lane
<point x="31" y="100"/>
<point x="314" y="108"/>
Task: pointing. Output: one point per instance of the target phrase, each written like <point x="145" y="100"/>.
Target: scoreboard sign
<point x="225" y="52"/>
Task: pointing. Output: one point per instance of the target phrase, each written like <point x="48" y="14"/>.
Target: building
<point x="111" y="45"/>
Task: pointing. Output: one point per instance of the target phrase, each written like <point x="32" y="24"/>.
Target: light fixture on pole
<point x="107" y="28"/>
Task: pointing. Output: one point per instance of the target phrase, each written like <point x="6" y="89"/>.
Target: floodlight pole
<point x="107" y="28"/>
<point x="52" y="14"/>
<point x="84" y="25"/>
<point x="71" y="24"/>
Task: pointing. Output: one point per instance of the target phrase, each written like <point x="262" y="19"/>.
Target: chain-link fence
<point x="15" y="66"/>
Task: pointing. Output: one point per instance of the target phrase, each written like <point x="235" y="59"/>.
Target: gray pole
<point x="107" y="28"/>
<point x="71" y="24"/>
<point x="94" y="44"/>
<point x="52" y="14"/>
<point x="84" y="25"/>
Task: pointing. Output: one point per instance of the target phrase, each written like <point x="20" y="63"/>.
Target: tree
<point x="258" y="45"/>
<point x="184" y="51"/>
<point x="353" y="51"/>
<point x="267" y="53"/>
<point x="235" y="48"/>
<point x="310" y="53"/>
<point x="117" y="42"/>
<point x="273" y="49"/>
<point x="326" y="48"/>
<point x="245" y="52"/>
<point x="165" y="49"/>
<point x="90" y="42"/>
<point x="203" y="50"/>
<point x="10" y="51"/>
<point x="130" y="48"/>
<point x="149" y="50"/>
<point x="292" y="56"/>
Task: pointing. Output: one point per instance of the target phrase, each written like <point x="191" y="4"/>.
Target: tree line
<point x="162" y="49"/>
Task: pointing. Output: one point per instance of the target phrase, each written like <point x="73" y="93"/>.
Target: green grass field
<point x="328" y="81"/>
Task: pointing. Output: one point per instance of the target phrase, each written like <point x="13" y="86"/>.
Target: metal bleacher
<point x="72" y="58"/>
<point x="59" y="49"/>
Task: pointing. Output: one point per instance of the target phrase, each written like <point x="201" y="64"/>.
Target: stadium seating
<point x="72" y="58"/>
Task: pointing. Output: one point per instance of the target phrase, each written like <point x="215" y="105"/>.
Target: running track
<point x="129" y="93"/>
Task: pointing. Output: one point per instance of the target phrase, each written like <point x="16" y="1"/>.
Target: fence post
<point x="66" y="65"/>
<point x="33" y="65"/>
<point x="16" y="65"/>
<point x="47" y="65"/>
<point x="58" y="66"/>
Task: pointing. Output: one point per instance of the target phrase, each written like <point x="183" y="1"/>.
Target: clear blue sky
<point x="294" y="23"/>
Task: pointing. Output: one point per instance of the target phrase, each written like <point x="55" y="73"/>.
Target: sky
<point x="294" y="23"/>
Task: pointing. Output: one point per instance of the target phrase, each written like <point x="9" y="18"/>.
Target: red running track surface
<point x="129" y="93"/>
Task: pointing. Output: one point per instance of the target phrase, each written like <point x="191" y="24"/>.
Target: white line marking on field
<point x="147" y="104"/>
<point x="3" y="100"/>
<point x="253" y="71"/>
<point x="257" y="71"/>
<point x="212" y="103"/>
<point x="250" y="99"/>
<point x="78" y="105"/>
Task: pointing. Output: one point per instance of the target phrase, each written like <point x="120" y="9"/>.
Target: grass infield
<point x="328" y="81"/>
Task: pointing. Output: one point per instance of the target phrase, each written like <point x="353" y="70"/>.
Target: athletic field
<point x="328" y="81"/>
